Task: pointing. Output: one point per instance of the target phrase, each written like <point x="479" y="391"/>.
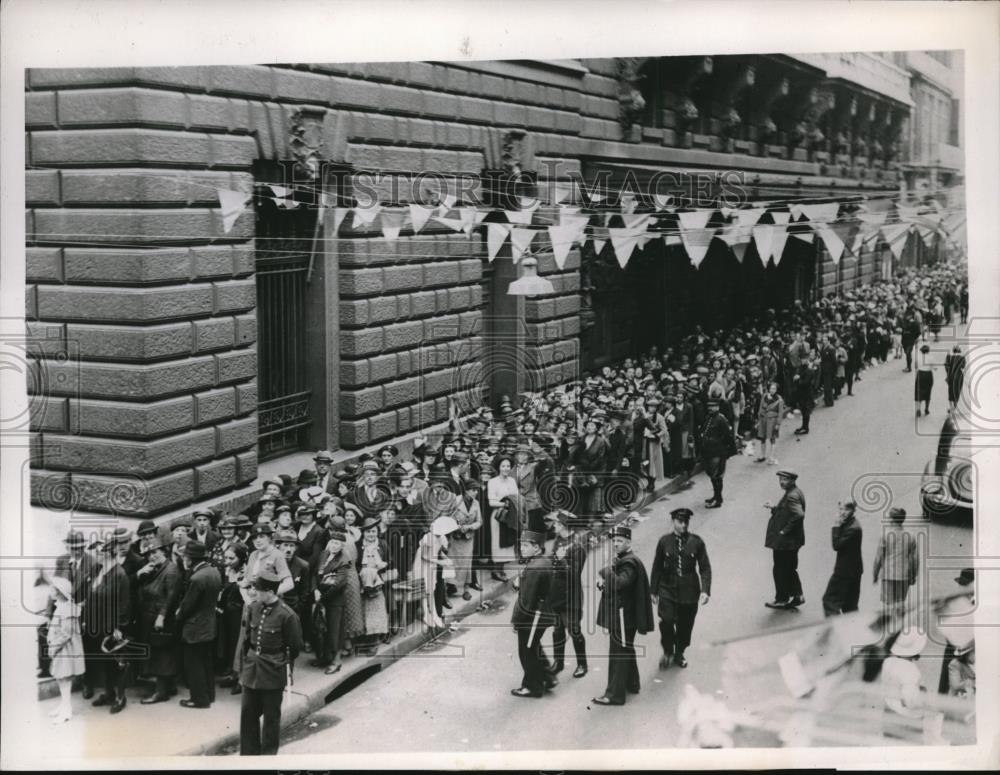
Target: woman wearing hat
<point x="502" y="492"/>
<point x="372" y="564"/>
<point x="462" y="549"/>
<point x="65" y="645"/>
<point x="337" y="588"/>
<point x="432" y="555"/>
<point x="232" y="600"/>
<point x="106" y="614"/>
<point x="158" y="596"/>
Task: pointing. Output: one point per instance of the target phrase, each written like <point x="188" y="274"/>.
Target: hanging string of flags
<point x="843" y="232"/>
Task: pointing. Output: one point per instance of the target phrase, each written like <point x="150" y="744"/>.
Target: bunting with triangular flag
<point x="834" y="244"/>
<point x="339" y="213"/>
<point x="520" y="239"/>
<point x="780" y="216"/>
<point x="470" y="218"/>
<point x="455" y="224"/>
<point x="232" y="204"/>
<point x="577" y="223"/>
<point x="419" y="215"/>
<point x="696" y="243"/>
<point x="561" y="237"/>
<point x="764" y="237"/>
<point x="624" y="241"/>
<point x="696" y="219"/>
<point x="821" y="213"/>
<point x="749" y="217"/>
<point x="522" y="217"/>
<point x="892" y="231"/>
<point x="739" y="250"/>
<point x="367" y="215"/>
<point x="496" y="233"/>
<point x="392" y="224"/>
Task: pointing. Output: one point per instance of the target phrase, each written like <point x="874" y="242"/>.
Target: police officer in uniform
<point x="532" y="616"/>
<point x="273" y="639"/>
<point x="717" y="444"/>
<point x="569" y="553"/>
<point x="625" y="609"/>
<point x="681" y="580"/>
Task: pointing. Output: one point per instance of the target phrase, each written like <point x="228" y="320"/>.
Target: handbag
<point x="161" y="638"/>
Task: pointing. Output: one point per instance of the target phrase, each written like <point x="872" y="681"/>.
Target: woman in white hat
<point x="901" y="680"/>
<point x="432" y="554"/>
<point x="65" y="645"/>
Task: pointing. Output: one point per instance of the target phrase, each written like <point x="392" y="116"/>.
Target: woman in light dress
<point x="65" y="646"/>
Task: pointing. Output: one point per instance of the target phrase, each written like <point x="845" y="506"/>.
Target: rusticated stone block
<point x="213" y="334"/>
<point x="383" y="426"/>
<point x="128" y="495"/>
<point x="214" y="405"/>
<point x="360" y="282"/>
<point x="125" y="381"/>
<point x="236" y="435"/>
<point x="125" y="343"/>
<point x="236" y="365"/>
<point x="384" y="309"/>
<point x="123" y="304"/>
<point x="354" y="433"/>
<point x="357" y="403"/>
<point x="40" y="109"/>
<point x="439" y="383"/>
<point x="246" y="329"/>
<point x="246" y="466"/>
<point x="246" y="398"/>
<point x="402" y="278"/>
<point x="382" y="368"/>
<point x="44" y="265"/>
<point x="359" y="343"/>
<point x="127" y="266"/>
<point x="41" y="187"/>
<point x="235" y="295"/>
<point x="402" y="392"/>
<point x="48" y="414"/>
<point x="403" y="335"/>
<point x="353" y="373"/>
<point x="122" y="418"/>
<point x="138" y="226"/>
<point x="353" y="313"/>
<point x="104" y="456"/>
<point x="442" y="273"/>
<point x="217" y="476"/>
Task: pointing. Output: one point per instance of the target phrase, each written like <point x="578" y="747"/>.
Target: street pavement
<point x="453" y="695"/>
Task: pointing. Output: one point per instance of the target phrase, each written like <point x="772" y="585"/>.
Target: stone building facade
<point x="173" y="356"/>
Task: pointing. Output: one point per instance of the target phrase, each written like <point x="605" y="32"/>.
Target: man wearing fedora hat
<point x="323" y="460"/>
<point x="681" y="580"/>
<point x="785" y="535"/>
<point x="271" y="642"/>
<point x="299" y="597"/>
<point x="965" y="589"/>
<point x="371" y="496"/>
<point x="204" y="530"/>
<point x="624" y="610"/>
<point x="107" y="613"/>
<point x="196" y="617"/>
<point x="532" y="616"/>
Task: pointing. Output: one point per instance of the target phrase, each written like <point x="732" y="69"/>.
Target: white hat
<point x="444" y="525"/>
<point x="909" y="644"/>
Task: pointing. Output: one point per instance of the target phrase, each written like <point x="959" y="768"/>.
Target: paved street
<point x="454" y="696"/>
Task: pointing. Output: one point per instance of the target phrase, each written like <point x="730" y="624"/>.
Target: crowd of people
<point x="350" y="551"/>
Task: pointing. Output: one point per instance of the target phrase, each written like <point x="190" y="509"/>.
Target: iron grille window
<point x="285" y="238"/>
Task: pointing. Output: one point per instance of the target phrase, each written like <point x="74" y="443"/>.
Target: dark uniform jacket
<point x="626" y="586"/>
<point x="197" y="613"/>
<point x="533" y="596"/>
<point x="681" y="574"/>
<point x="272" y="641"/>
<point x="302" y="580"/>
<point x="566" y="590"/>
<point x="846" y="540"/>
<point x="716" y="437"/>
<point x="785" y="528"/>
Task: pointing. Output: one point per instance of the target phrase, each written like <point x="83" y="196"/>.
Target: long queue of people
<point x="352" y="550"/>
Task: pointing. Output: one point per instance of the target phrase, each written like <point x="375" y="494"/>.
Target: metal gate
<point x="284" y="243"/>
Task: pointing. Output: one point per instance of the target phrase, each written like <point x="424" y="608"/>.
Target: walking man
<point x="531" y="616"/>
<point x="844" y="587"/>
<point x="784" y="537"/>
<point x="625" y="609"/>
<point x="681" y="580"/>
<point x="569" y="553"/>
<point x="197" y="620"/>
<point x="717" y="444"/>
<point x="272" y="640"/>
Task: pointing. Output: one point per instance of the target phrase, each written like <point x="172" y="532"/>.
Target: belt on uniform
<point x="258" y="652"/>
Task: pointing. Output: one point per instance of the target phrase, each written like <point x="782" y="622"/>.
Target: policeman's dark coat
<point x="695" y="574"/>
<point x="532" y="597"/>
<point x="626" y="586"/>
<point x="716" y="437"/>
<point x="272" y="640"/>
<point x="785" y="528"/>
<point x="566" y="591"/>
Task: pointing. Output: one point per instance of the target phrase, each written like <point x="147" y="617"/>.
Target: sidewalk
<point x="153" y="730"/>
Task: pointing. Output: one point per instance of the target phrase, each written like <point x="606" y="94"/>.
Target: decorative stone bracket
<point x="631" y="103"/>
<point x="305" y="142"/>
<point x="761" y="116"/>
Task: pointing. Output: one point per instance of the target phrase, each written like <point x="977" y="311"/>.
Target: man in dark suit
<point x="617" y="442"/>
<point x="569" y="553"/>
<point x="203" y="532"/>
<point x="325" y="477"/>
<point x="716" y="446"/>
<point x="844" y="587"/>
<point x="197" y="618"/>
<point x="370" y="496"/>
<point x="532" y="616"/>
<point x="625" y="609"/>
<point x="680" y="580"/>
<point x="107" y="611"/>
<point x="784" y="537"/>
<point x="299" y="598"/>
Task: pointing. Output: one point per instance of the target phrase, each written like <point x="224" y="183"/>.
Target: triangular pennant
<point x="896" y="245"/>
<point x="821" y="213"/>
<point x="907" y="213"/>
<point x="339" y="213"/>
<point x="780" y="216"/>
<point x="739" y="250"/>
<point x="672" y="239"/>
<point x="733" y="235"/>
<point x="282" y="197"/>
<point x="392" y="224"/>
<point x="696" y="242"/>
<point x="624" y="241"/>
<point x="778" y="243"/>
<point x="455" y="224"/>
<point x="893" y="231"/>
<point x="749" y="217"/>
<point x="727" y="211"/>
<point x="805" y="236"/>
<point x="855" y="248"/>
<point x="926" y="234"/>
<point x="470" y="218"/>
<point x="561" y="238"/>
<point x="870" y="222"/>
<point x="419" y="215"/>
<point x="232" y="205"/>
<point x="834" y="244"/>
<point x="695" y="219"/>
<point x="846" y="230"/>
<point x="520" y="239"/>
<point x="578" y="224"/>
<point x="795" y="211"/>
<point x="636" y="221"/>
<point x="522" y="217"/>
<point x="598" y="245"/>
<point x="496" y="233"/>
<point x="763" y="236"/>
<point x="445" y="203"/>
<point x="367" y="215"/>
<point x="628" y="203"/>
